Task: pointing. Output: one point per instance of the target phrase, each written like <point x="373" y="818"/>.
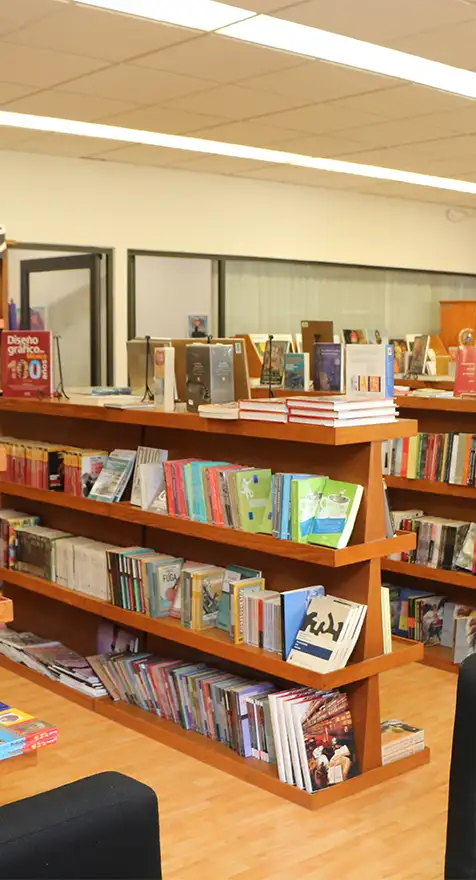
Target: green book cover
<point x="336" y="514"/>
<point x="253" y="488"/>
<point x="305" y="497"/>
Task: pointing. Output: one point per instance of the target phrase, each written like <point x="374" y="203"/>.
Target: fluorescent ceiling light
<point x="217" y="148"/>
<point x="289" y="36"/>
<point x="204" y="15"/>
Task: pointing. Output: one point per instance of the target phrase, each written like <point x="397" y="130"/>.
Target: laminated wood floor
<point x="214" y="825"/>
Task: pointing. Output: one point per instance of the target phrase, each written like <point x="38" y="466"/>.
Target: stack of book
<point x="440" y="542"/>
<point x="340" y="411"/>
<point x="443" y="458"/>
<point x="115" y="476"/>
<point x="9" y="521"/>
<point x="400" y="740"/>
<point x="34" y="550"/>
<point x="21" y="733"/>
<point x="52" y="659"/>
<point x="309" y="734"/>
<point x="50" y="466"/>
<point x="270" y="409"/>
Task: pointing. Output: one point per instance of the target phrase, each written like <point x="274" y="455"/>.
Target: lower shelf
<point x="216" y="754"/>
<point x="440" y="658"/>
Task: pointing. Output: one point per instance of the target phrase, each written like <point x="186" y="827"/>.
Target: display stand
<point x="352" y="454"/>
<point x="441" y="416"/>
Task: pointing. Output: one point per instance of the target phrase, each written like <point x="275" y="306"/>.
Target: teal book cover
<point x="305" y="496"/>
<point x="336" y="514"/>
<point x="254" y="492"/>
<point x="233" y="574"/>
<point x="198" y="507"/>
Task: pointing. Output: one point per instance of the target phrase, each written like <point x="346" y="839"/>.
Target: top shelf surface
<point x="191" y="422"/>
<point x="441" y="404"/>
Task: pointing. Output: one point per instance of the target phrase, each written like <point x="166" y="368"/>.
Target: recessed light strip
<point x="217" y="148"/>
<point x="203" y="15"/>
<point x="289" y="36"/>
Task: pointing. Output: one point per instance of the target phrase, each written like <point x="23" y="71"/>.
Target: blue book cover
<point x="198" y="508"/>
<point x="328" y="366"/>
<point x="293" y="608"/>
<point x="406" y="593"/>
<point x="390" y="371"/>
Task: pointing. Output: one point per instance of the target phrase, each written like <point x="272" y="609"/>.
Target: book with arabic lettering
<point x="254" y="488"/>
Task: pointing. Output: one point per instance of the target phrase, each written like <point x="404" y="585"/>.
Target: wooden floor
<point x="214" y="825"/>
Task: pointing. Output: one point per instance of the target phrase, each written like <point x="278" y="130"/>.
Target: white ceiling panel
<point x="253" y="133"/>
<point x="219" y="165"/>
<point x="99" y="33"/>
<point x="446" y="198"/>
<point x="164" y="119"/>
<point x="320" y="118"/>
<point x="462" y="121"/>
<point x="403" y="101"/>
<point x="67" y="106"/>
<point x="379" y="21"/>
<point x="319" y="145"/>
<point x="219" y="58"/>
<point x="139" y="154"/>
<point x="303" y="177"/>
<point x="399" y="131"/>
<point x="393" y="157"/>
<point x="129" y="83"/>
<point x="63" y="145"/>
<point x="454" y="45"/>
<point x="12" y="91"/>
<point x="42" y="68"/>
<point x="445" y="148"/>
<point x="233" y="102"/>
<point x="263" y="6"/>
<point x="315" y="81"/>
<point x="11" y="138"/>
<point x="17" y="13"/>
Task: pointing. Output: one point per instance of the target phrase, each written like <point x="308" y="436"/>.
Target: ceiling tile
<point x="462" y="121"/>
<point x="17" y="13"/>
<point x="41" y="67"/>
<point x="320" y="118"/>
<point x="319" y="145"/>
<point x="164" y="119"/>
<point x="252" y="133"/>
<point x="396" y="157"/>
<point x="377" y="21"/>
<point x="136" y="84"/>
<point x="140" y="154"/>
<point x="11" y="138"/>
<point x="64" y="145"/>
<point x="99" y="33"/>
<point x="453" y="45"/>
<point x="303" y="176"/>
<point x="403" y="101"/>
<point x="267" y="6"/>
<point x="219" y="58"/>
<point x="317" y="81"/>
<point x="219" y="165"/>
<point x="391" y="189"/>
<point x="399" y="131"/>
<point x="67" y="106"/>
<point x="12" y="91"/>
<point x="234" y="102"/>
<point x="446" y="148"/>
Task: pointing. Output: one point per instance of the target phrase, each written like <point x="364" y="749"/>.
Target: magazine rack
<point x="440" y="416"/>
<point x="350" y="454"/>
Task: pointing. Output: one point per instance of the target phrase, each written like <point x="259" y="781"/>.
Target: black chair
<point x="461" y="832"/>
<point x="104" y="827"/>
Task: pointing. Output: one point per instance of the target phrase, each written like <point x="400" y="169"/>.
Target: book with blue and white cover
<point x="328" y="634"/>
<point x="294" y="605"/>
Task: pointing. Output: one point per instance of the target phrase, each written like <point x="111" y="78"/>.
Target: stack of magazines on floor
<point x="307" y="733"/>
<point x="21" y="733"/>
<point x="53" y="659"/>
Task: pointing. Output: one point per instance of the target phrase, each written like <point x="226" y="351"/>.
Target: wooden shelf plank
<point x="125" y="512"/>
<point x="56" y="687"/>
<point x="248" y="769"/>
<point x="193" y="422"/>
<point x="439" y="658"/>
<point x="432" y="487"/>
<point x="218" y="643"/>
<point x="442" y="576"/>
<point x="441" y="404"/>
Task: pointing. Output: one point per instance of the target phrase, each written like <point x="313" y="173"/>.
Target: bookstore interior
<point x="237" y="496"/>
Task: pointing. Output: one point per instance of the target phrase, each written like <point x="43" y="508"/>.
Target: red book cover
<point x="405" y="447"/>
<point x="465" y="380"/>
<point x="27" y="363"/>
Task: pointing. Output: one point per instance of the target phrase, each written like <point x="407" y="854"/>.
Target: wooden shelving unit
<point x="348" y="454"/>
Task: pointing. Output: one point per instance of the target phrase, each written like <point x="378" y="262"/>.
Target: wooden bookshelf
<point x="431" y="487"/>
<point x="55" y="687"/>
<point x="436" y="575"/>
<point x="352" y="455"/>
<point x="440" y="658"/>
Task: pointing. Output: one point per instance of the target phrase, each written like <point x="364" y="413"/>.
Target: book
<point x="328" y="634"/>
<point x="272" y="372"/>
<point x="325" y="740"/>
<point x="209" y="374"/>
<point x="306" y="493"/>
<point x="355" y="337"/>
<point x="401" y="354"/>
<point x="296" y="371"/>
<point x="375" y="337"/>
<point x="206" y="589"/>
<point x="294" y="604"/>
<point x="369" y="371"/>
<point x="399" y="740"/>
<point x="114" y="477"/>
<point x="27" y="363"/>
<point x="465" y="377"/>
<point x="164" y="378"/>
<point x="226" y="411"/>
<point x="328" y="366"/>
<point x="153" y="493"/>
<point x="34" y="551"/>
<point x="233" y="574"/>
<point x="419" y="355"/>
<point x="336" y="514"/>
<point x="253" y="488"/>
<point x="144" y="455"/>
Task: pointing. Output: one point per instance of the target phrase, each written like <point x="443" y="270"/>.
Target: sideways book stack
<point x="443" y="458"/>
<point x="440" y="541"/>
<point x="21" y="733"/>
<point x="307" y="733"/>
<point x="400" y="740"/>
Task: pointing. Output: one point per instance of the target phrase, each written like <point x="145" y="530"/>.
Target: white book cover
<point x="296" y="763"/>
<point x="273" y="708"/>
<point x="321" y="633"/>
<point x="369" y="371"/>
<point x="298" y="710"/>
<point x="153" y="494"/>
<point x="164" y="378"/>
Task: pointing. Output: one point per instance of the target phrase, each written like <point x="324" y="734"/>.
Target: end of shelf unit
<point x="352" y="455"/>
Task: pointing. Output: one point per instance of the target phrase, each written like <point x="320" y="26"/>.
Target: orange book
<point x="467" y="453"/>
